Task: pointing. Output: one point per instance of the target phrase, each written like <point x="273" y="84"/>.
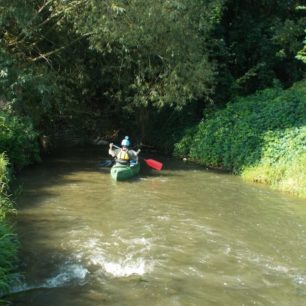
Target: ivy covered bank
<point x="262" y="137"/>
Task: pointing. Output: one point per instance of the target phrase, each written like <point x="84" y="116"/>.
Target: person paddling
<point x="124" y="155"/>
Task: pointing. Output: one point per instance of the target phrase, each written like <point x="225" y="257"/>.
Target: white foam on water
<point x="163" y="218"/>
<point x="69" y="274"/>
<point x="20" y="287"/>
<point x="120" y="258"/>
<point x="227" y="250"/>
<point x="300" y="279"/>
<point x="125" y="268"/>
<point x="277" y="268"/>
<point x="139" y="241"/>
<point x="73" y="273"/>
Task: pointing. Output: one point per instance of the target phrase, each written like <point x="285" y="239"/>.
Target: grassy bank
<point x="261" y="137"/>
<point x="18" y="148"/>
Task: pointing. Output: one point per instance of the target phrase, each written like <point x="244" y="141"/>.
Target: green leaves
<point x="18" y="140"/>
<point x="157" y="47"/>
<point x="112" y="58"/>
<point x="8" y="243"/>
<point x="261" y="40"/>
<point x="8" y="254"/>
<point x="268" y="125"/>
<point x="262" y="137"/>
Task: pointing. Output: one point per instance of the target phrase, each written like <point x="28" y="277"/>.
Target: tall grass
<point x="8" y="257"/>
<point x="287" y="172"/>
<point x="8" y="242"/>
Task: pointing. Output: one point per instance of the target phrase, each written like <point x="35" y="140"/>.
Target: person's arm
<point x="111" y="151"/>
<point x="133" y="154"/>
<point x="137" y="158"/>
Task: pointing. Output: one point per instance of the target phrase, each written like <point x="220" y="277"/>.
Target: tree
<point x="157" y="49"/>
<point x="257" y="46"/>
<point x="43" y="69"/>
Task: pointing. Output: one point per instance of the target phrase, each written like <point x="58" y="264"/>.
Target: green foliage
<point x="8" y="253"/>
<point x="18" y="140"/>
<point x="60" y="59"/>
<point x="182" y="148"/>
<point x="267" y="128"/>
<point x="29" y="90"/>
<point x="4" y="175"/>
<point x="257" y="45"/>
<point x="44" y="70"/>
<point x="168" y="121"/>
<point x="8" y="244"/>
<point x="283" y="174"/>
<point x="302" y="53"/>
<point x="156" y="48"/>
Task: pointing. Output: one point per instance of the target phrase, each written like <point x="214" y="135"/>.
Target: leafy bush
<point x="182" y="148"/>
<point x="18" y="140"/>
<point x="266" y="130"/>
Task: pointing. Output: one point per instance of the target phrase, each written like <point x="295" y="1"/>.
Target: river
<point x="181" y="236"/>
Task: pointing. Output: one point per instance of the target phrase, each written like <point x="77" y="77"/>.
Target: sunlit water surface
<point x="182" y="236"/>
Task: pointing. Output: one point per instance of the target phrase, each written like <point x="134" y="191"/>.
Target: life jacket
<point x="123" y="157"/>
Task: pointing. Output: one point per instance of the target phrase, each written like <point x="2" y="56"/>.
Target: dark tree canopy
<point x="89" y="64"/>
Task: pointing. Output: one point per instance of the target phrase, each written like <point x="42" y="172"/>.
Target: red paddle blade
<point x="154" y="164"/>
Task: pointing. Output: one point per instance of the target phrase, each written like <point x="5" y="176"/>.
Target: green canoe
<point x="124" y="172"/>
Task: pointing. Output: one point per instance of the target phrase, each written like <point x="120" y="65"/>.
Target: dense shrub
<point x="18" y="140"/>
<point x="268" y="128"/>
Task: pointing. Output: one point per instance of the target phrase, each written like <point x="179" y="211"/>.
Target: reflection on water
<point x="182" y="236"/>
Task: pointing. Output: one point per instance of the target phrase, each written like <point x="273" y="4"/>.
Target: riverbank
<point x="260" y="137"/>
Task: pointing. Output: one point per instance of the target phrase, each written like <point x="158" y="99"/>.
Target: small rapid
<point x="181" y="236"/>
<point x="67" y="275"/>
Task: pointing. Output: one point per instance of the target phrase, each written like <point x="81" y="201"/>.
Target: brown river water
<point x="180" y="236"/>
